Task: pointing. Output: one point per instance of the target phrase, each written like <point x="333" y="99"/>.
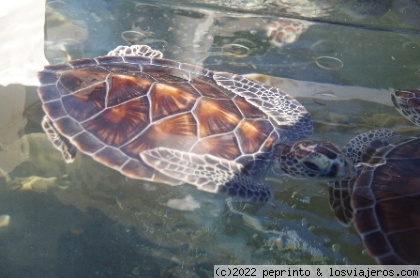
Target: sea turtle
<point x="163" y="121"/>
<point x="383" y="197"/>
<point x="285" y="31"/>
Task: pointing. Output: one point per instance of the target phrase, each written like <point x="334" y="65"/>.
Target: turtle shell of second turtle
<point x="386" y="203"/>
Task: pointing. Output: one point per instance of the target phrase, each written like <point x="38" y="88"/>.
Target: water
<point x="85" y="220"/>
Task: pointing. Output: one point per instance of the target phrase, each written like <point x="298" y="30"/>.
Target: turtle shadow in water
<point x="105" y="249"/>
<point x="72" y="243"/>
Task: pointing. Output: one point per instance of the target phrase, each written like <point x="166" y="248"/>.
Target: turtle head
<point x="313" y="159"/>
<point x="407" y="102"/>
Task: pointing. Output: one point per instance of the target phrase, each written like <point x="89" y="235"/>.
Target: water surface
<point x="85" y="220"/>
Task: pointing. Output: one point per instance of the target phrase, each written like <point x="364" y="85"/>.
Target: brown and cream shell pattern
<point x="163" y="121"/>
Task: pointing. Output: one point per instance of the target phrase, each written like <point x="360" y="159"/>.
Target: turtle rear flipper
<point x="61" y="143"/>
<point x="207" y="172"/>
<point x="135" y="50"/>
<point x="287" y="113"/>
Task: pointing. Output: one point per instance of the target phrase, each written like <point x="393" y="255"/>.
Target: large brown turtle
<point x="163" y="121"/>
<point x="383" y="197"/>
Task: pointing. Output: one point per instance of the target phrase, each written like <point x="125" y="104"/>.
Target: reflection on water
<point x="83" y="219"/>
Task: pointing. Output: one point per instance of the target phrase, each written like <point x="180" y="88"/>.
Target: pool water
<point x="86" y="220"/>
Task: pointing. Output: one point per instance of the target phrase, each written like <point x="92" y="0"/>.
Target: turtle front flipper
<point x="61" y="143"/>
<point x="207" y="172"/>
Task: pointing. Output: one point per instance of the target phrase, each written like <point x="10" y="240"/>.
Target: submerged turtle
<point x="164" y="121"/>
<point x="285" y="31"/>
<point x="383" y="197"/>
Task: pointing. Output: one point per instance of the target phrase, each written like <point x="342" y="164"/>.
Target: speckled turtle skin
<point x="163" y="121"/>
